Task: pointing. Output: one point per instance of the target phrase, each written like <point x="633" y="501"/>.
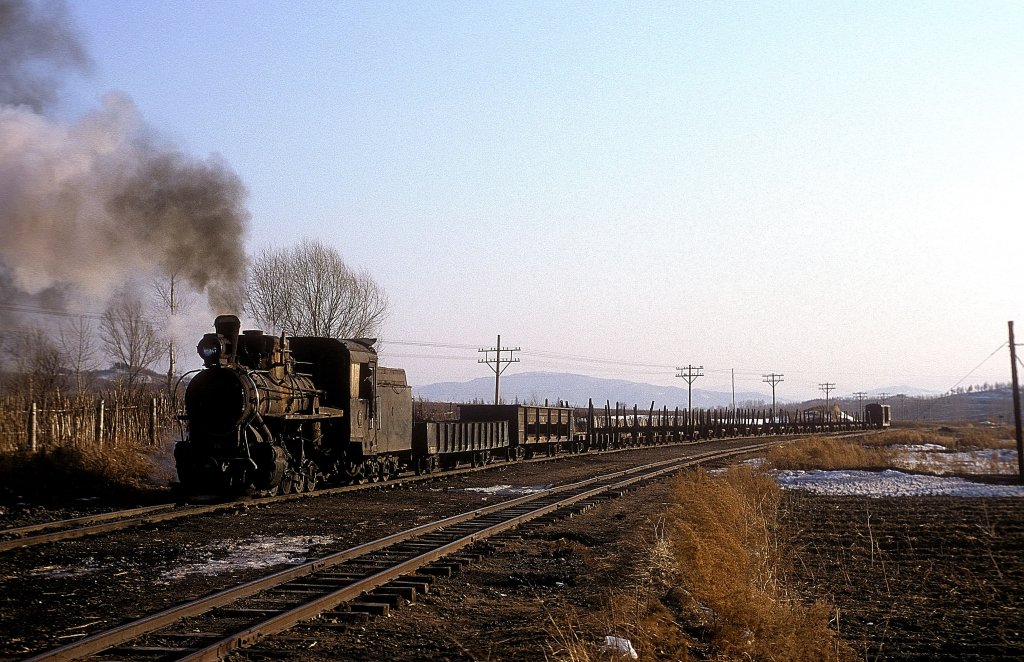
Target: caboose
<point x="877" y="416"/>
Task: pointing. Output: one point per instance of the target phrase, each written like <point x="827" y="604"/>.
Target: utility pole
<point x="733" y="370"/>
<point x="690" y="375"/>
<point x="860" y="396"/>
<point x="903" y="404"/>
<point x="773" y="379"/>
<point x="827" y="387"/>
<point x="1016" y="407"/>
<point x="498" y="364"/>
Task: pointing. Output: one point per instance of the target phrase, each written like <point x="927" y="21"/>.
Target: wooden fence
<point x="115" y="418"/>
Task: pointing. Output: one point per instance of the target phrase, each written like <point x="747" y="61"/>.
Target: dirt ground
<point x="55" y="593"/>
<point x="925" y="578"/>
<point x="936" y="578"/>
<point x="922" y="578"/>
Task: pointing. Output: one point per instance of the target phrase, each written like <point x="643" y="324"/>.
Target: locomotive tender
<point x="271" y="414"/>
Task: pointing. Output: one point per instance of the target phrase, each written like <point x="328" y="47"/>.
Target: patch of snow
<point x="890" y="483"/>
<point x="252" y="553"/>
<point x="508" y="490"/>
<point x="919" y="447"/>
<point x="991" y="461"/>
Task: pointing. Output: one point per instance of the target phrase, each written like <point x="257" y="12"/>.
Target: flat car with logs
<point x="271" y="415"/>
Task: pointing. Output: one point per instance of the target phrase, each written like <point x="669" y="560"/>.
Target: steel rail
<point x="150" y="624"/>
<point x="126" y="519"/>
<point x="91" y="525"/>
<point x="289" y="619"/>
<point x="154" y="514"/>
<point x="20" y="531"/>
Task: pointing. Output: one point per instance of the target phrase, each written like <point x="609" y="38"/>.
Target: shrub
<point x="68" y="472"/>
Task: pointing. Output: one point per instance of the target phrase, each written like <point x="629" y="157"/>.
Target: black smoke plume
<point x="89" y="204"/>
<point x="37" y="43"/>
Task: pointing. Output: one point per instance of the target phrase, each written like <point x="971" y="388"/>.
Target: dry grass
<point x="960" y="437"/>
<point x="883" y="451"/>
<point x="724" y="532"/>
<point x="906" y="437"/>
<point x="980" y="438"/>
<point x="65" y="473"/>
<point x="713" y="586"/>
<point x="824" y="453"/>
<point x="63" y="420"/>
<point x="77" y="457"/>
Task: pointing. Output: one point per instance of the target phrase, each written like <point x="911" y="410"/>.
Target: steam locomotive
<point x="270" y="414"/>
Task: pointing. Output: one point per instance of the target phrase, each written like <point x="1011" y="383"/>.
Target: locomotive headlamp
<point x="210" y="349"/>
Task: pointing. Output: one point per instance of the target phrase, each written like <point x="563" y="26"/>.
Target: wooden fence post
<point x="99" y="423"/>
<point x="32" y="427"/>
<point x="152" y="422"/>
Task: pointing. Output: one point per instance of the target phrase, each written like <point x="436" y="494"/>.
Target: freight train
<point x="270" y="415"/>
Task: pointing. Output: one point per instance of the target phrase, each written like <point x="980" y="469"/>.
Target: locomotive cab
<point x="377" y="401"/>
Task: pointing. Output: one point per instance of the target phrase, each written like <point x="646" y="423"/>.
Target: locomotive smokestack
<point x="228" y="326"/>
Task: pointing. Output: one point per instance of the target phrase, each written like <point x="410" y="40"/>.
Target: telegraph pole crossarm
<point x="773" y="379"/>
<point x="860" y="396"/>
<point x="690" y="373"/>
<point x="498" y="364"/>
<point x="827" y="387"/>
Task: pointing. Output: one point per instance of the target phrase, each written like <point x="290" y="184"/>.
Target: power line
<point x="39" y="310"/>
<point x="962" y="379"/>
<point x="655" y="368"/>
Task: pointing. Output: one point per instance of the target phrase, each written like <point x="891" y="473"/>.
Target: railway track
<point x="90" y="525"/>
<point x="81" y="527"/>
<point x="361" y="577"/>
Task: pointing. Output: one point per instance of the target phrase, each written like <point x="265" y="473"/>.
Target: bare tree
<point x="309" y="290"/>
<point x="129" y="339"/>
<point x="170" y="298"/>
<point x="79" y="351"/>
<point x="38" y="365"/>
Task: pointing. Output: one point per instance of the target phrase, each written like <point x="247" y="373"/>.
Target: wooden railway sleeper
<point x="407" y="594"/>
<point x="341" y="620"/>
<point x="392" y="600"/>
<point x="370" y="607"/>
<point x="419" y="587"/>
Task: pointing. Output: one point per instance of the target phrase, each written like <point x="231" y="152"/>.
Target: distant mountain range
<point x="536" y="387"/>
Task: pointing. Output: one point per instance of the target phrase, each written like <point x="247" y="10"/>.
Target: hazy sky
<point x="833" y="191"/>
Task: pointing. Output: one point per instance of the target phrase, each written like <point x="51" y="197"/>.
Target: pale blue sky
<point x="828" y="190"/>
